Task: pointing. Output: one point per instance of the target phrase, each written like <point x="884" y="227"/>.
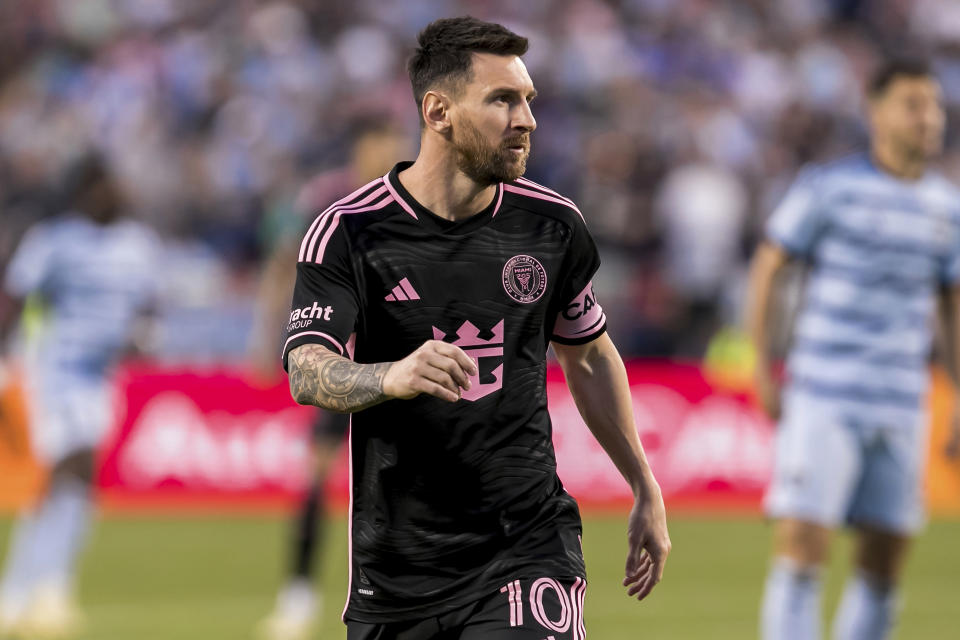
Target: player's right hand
<point x="436" y="368"/>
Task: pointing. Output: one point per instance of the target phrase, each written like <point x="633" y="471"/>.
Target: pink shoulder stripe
<point x="328" y="215"/>
<point x="336" y="221"/>
<point x="540" y="196"/>
<point x="396" y="196"/>
<point x="536" y="186"/>
<point x="342" y="201"/>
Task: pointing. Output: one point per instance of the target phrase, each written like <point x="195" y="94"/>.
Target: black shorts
<point x="528" y="609"/>
<point x="329" y="428"/>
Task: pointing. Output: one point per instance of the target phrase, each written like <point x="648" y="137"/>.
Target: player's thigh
<point x="73" y="418"/>
<point x="817" y="465"/>
<point x="530" y="609"/>
<point x="887" y="508"/>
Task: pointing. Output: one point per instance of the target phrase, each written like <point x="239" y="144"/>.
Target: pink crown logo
<point x="468" y="339"/>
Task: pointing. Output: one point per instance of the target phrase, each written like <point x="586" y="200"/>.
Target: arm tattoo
<point x="322" y="378"/>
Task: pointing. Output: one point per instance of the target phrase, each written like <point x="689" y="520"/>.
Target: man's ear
<point x="435" y="110"/>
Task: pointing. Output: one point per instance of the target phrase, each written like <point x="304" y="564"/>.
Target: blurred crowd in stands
<point x="675" y="124"/>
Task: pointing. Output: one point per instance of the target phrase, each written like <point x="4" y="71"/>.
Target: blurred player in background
<point x="95" y="272"/>
<point x="375" y="145"/>
<point x="880" y="232"/>
<point x="425" y="303"/>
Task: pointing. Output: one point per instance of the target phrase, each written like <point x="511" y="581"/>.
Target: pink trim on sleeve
<point x="325" y="336"/>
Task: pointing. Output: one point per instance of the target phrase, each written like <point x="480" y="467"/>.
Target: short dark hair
<point x="84" y="172"/>
<point x="893" y="68"/>
<point x="445" y="46"/>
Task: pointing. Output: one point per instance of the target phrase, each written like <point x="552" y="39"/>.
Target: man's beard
<point x="918" y="151"/>
<point x="488" y="165"/>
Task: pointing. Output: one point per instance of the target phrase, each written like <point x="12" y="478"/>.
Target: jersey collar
<point x="431" y="220"/>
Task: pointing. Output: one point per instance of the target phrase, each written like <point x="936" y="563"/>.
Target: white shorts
<point x="833" y="470"/>
<point x="74" y="416"/>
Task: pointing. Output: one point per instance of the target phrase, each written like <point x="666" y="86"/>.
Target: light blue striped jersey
<point x="878" y="248"/>
<point x="94" y="280"/>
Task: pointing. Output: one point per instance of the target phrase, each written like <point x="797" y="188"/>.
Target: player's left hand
<point x="649" y="543"/>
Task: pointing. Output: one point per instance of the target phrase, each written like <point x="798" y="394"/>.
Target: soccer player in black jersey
<point x="424" y="305"/>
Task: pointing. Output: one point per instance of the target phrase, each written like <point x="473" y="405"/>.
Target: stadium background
<point x="674" y="125"/>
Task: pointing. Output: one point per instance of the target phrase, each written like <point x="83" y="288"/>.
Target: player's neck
<point x="896" y="164"/>
<point x="437" y="184"/>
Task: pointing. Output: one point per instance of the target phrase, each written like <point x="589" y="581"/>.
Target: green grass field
<point x="177" y="578"/>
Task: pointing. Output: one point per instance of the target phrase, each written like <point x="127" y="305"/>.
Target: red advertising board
<point x="187" y="438"/>
<point x="705" y="445"/>
<point x="204" y="438"/>
<point x="214" y="439"/>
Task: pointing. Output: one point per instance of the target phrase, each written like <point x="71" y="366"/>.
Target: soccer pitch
<point x="213" y="578"/>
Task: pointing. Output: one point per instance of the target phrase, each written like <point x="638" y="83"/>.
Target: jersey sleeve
<point x="798" y="221"/>
<point x="580" y="318"/>
<point x="30" y="267"/>
<point x="326" y="302"/>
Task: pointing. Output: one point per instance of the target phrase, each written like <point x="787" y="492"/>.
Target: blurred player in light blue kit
<point x="880" y="233"/>
<point x="95" y="272"/>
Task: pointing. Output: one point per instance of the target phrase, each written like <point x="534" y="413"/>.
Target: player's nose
<point x="523" y="118"/>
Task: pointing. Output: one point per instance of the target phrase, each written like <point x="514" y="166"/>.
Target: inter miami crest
<point x="524" y="279"/>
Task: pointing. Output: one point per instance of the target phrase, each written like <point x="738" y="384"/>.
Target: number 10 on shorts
<point x="553" y="606"/>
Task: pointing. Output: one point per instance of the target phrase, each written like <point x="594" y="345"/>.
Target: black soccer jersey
<point x="451" y="500"/>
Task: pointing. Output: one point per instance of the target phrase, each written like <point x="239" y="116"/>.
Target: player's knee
<point x="881" y="555"/>
<point x="804" y="543"/>
<point x="77" y="466"/>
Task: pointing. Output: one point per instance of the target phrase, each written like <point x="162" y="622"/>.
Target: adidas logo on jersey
<point x="402" y="292"/>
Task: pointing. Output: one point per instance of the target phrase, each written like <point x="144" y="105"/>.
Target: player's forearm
<point x="764" y="268"/>
<point x="324" y="379"/>
<point x="598" y="382"/>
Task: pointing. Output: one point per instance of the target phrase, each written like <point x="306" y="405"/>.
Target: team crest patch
<point x="524" y="279"/>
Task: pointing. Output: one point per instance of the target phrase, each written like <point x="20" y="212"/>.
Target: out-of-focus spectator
<point x="702" y="209"/>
